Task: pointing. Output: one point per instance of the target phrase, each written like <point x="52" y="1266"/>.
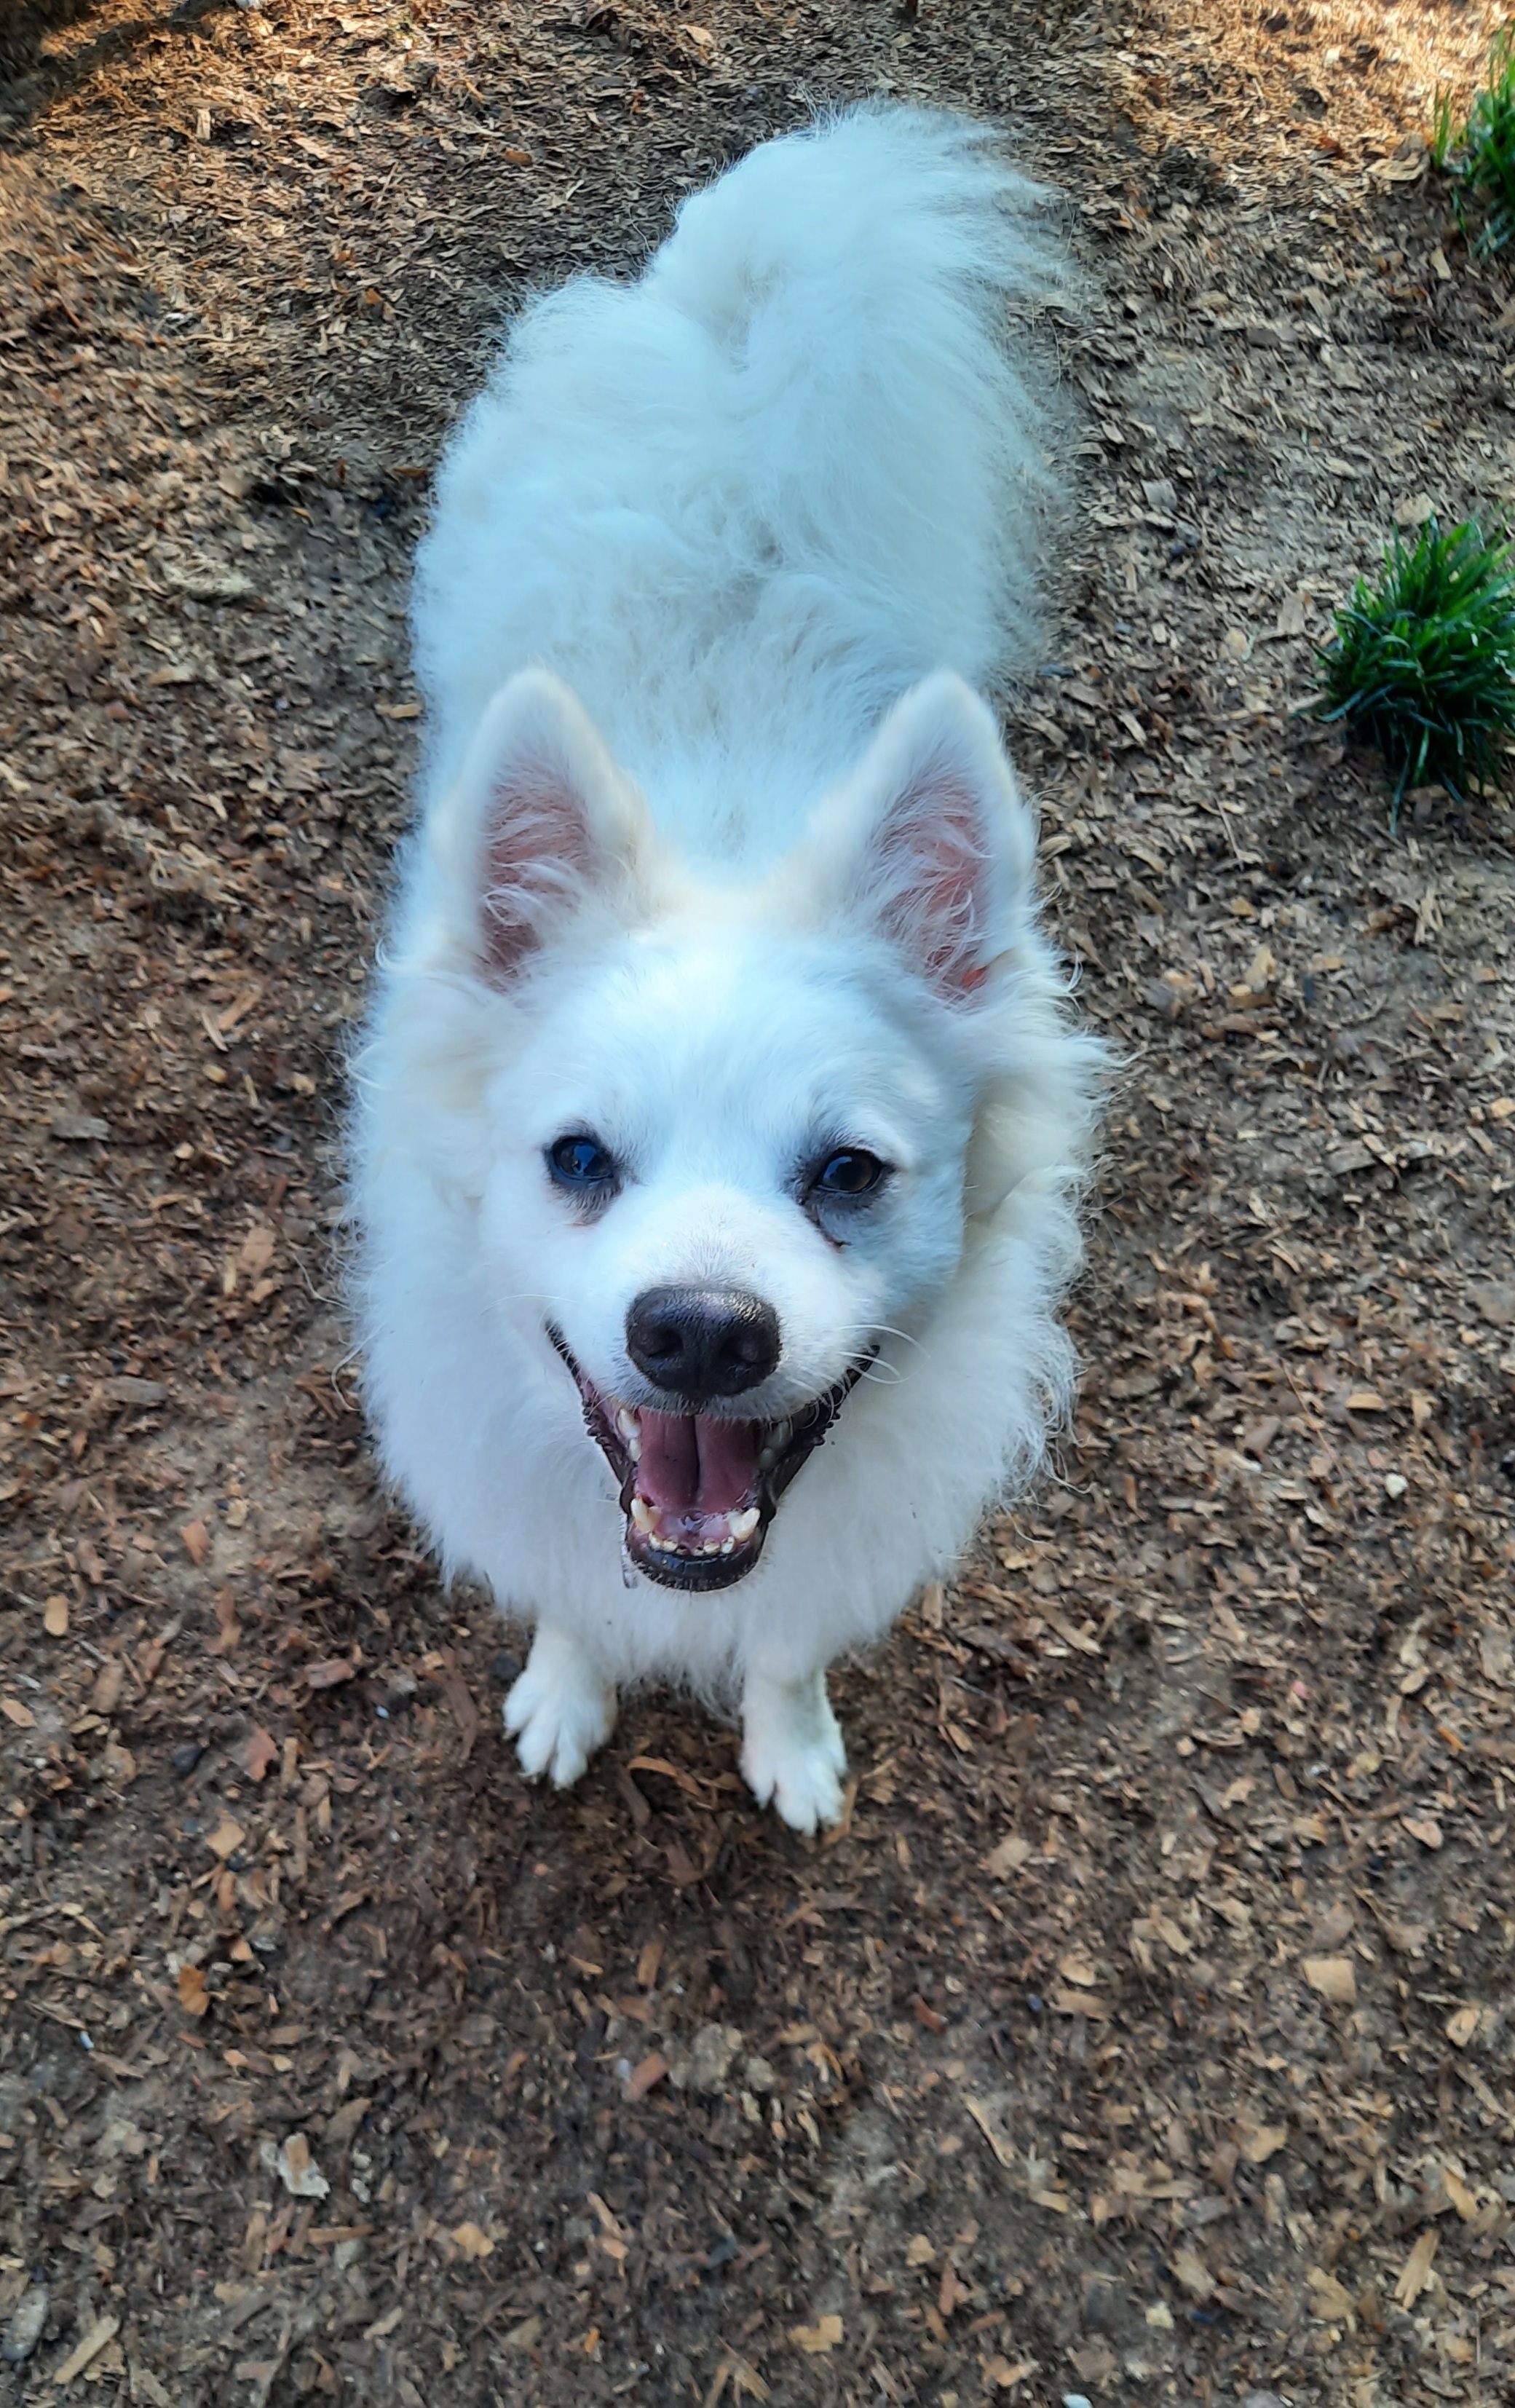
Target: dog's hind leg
<point x="561" y="1710"/>
<point x="792" y="1748"/>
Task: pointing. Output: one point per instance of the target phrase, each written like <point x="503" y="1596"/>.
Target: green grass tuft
<point x="1483" y="154"/>
<point x="1444" y="132"/>
<point x="1422" y="662"/>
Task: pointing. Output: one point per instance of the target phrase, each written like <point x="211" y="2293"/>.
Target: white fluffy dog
<point x="719" y="1127"/>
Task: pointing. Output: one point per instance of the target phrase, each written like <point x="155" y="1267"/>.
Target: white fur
<point x="721" y="858"/>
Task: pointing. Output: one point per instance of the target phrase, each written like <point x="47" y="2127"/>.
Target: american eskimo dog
<point x="720" y="1124"/>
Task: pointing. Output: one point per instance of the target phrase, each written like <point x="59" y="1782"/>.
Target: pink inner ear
<point x="538" y="851"/>
<point x="933" y="861"/>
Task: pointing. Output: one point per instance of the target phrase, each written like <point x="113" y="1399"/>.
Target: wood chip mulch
<point x="1145" y="2033"/>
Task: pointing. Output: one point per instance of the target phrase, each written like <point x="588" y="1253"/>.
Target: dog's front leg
<point x="792" y="1747"/>
<point x="561" y="1710"/>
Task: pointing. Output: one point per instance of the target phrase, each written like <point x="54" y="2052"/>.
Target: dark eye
<point x="582" y="1165"/>
<point x="849" y="1172"/>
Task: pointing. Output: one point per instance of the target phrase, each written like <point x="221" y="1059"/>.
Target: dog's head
<point x="727" y="1138"/>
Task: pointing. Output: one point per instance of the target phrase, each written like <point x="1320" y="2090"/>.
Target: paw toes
<point x="556" y="1732"/>
<point x="812" y="1802"/>
<point x="518" y="1708"/>
<point x="758" y="1777"/>
<point x="804" y="1788"/>
<point x="534" y="1745"/>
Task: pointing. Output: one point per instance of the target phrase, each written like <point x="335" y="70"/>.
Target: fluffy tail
<point x="743" y="503"/>
<point x="857" y="278"/>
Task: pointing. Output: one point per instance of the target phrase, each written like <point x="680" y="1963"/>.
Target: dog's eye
<point x="582" y="1165"/>
<point x="849" y="1172"/>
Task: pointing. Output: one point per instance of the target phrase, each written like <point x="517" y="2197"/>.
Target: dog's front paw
<point x="792" y="1755"/>
<point x="559" y="1711"/>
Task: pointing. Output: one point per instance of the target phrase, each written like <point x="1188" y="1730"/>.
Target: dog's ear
<point x="540" y="826"/>
<point x="929" y="839"/>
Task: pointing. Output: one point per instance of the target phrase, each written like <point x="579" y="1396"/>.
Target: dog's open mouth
<point x="698" y="1491"/>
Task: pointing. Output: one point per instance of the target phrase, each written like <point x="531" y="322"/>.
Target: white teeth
<point x="741" y="1527"/>
<point x="781" y="1433"/>
<point x="627" y="1423"/>
<point x="767" y="1457"/>
<point x="634" y="1448"/>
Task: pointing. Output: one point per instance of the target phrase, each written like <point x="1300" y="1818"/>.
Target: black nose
<point x="703" y="1341"/>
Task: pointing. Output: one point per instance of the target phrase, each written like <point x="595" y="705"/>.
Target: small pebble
<point x="186" y="1756"/>
<point x="504" y="1669"/>
<point x="25" y="2329"/>
<point x="1394" y="1484"/>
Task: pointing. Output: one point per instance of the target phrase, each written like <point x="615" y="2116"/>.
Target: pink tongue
<point x="694" y="1465"/>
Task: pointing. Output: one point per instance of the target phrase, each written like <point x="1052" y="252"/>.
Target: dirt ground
<point x="1146" y="2034"/>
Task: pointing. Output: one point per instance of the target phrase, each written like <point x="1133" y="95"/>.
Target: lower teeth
<point x="672" y="1547"/>
<point x="740" y="1527"/>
